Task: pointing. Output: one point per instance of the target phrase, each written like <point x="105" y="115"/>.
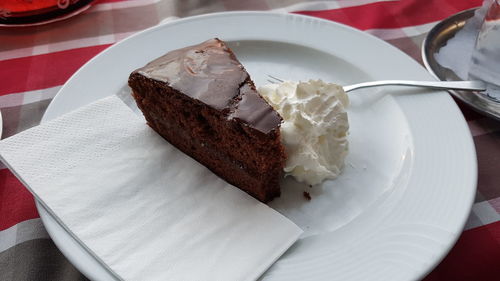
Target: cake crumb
<point x="307" y="195"/>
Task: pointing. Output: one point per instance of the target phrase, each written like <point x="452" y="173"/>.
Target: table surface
<point x="36" y="61"/>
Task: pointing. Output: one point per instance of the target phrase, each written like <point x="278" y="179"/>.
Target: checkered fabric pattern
<point x="36" y="61"/>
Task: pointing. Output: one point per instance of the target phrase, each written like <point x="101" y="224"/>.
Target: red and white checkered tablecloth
<point x="36" y="61"/>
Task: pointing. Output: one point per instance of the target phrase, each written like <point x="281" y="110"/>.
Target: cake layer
<point x="237" y="136"/>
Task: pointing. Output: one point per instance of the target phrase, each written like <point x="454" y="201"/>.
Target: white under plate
<point x="410" y="176"/>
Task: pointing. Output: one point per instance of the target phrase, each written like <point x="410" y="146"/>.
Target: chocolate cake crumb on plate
<point x="307" y="195"/>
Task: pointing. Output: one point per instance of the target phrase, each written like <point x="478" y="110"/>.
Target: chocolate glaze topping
<point x="210" y="73"/>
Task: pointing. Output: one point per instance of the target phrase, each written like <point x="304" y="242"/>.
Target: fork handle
<point x="444" y="85"/>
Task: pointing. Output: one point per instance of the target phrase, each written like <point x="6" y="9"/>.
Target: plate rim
<point x="1" y="124"/>
<point x="452" y="241"/>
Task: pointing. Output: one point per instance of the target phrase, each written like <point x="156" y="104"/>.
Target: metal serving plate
<point x="438" y="38"/>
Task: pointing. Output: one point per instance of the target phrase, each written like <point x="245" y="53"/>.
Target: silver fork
<point x="438" y="85"/>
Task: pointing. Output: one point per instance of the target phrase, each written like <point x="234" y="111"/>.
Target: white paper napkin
<point x="145" y="210"/>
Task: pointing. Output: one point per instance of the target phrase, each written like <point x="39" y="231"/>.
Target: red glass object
<point x="34" y="12"/>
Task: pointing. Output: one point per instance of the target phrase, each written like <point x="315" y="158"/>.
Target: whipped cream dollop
<point x="314" y="129"/>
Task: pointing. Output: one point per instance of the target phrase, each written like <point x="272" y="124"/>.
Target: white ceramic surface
<point x="1" y="124"/>
<point x="410" y="176"/>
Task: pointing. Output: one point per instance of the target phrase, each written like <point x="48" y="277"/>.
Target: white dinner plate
<point x="410" y="176"/>
<point x="1" y="124"/>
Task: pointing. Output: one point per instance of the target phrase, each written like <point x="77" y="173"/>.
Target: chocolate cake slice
<point x="202" y="100"/>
